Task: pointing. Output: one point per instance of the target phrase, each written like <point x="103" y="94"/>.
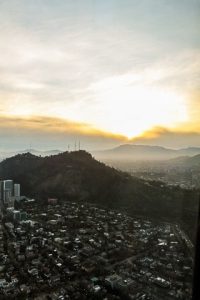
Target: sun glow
<point x="130" y="110"/>
<point x="119" y="105"/>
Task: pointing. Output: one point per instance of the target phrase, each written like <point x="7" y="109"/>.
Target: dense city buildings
<point x="68" y="250"/>
<point x="9" y="192"/>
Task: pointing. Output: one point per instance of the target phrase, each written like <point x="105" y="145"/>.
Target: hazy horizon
<point x="75" y="147"/>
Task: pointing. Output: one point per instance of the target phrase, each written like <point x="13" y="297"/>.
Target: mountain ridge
<point x="77" y="176"/>
<point x="4" y="154"/>
<point x="121" y="152"/>
<point x="144" y="152"/>
<point x="187" y="161"/>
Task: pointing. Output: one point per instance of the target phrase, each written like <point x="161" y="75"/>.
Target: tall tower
<point x="7" y="190"/>
<point x="1" y="190"/>
<point x="16" y="190"/>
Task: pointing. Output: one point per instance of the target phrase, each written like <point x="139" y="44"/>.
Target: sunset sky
<point x="105" y="72"/>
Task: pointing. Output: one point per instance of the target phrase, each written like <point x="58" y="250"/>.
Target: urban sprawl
<point x="66" y="250"/>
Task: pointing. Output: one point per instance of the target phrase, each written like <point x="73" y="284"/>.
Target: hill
<point x="131" y="152"/>
<point x="187" y="162"/>
<point x="78" y="176"/>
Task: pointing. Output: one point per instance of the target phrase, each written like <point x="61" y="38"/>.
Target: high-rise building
<point x="7" y="190"/>
<point x="1" y="190"/>
<point x="16" y="190"/>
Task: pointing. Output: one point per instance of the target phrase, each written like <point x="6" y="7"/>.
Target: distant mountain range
<point x="127" y="152"/>
<point x="130" y="152"/>
<point x="4" y="154"/>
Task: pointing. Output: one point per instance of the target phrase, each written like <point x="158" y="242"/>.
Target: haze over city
<point x="103" y="72"/>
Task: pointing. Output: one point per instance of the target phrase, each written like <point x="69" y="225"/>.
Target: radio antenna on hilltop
<point x="79" y="145"/>
<point x="75" y="146"/>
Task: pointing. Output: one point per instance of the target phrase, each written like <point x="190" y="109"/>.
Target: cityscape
<point x="99" y="150"/>
<point x="75" y="250"/>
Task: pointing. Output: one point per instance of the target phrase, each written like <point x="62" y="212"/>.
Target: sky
<point x="103" y="72"/>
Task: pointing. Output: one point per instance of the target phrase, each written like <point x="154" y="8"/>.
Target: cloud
<point x="48" y="124"/>
<point x="52" y="54"/>
<point x="48" y="133"/>
<point x="51" y="133"/>
<point x="177" y="138"/>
